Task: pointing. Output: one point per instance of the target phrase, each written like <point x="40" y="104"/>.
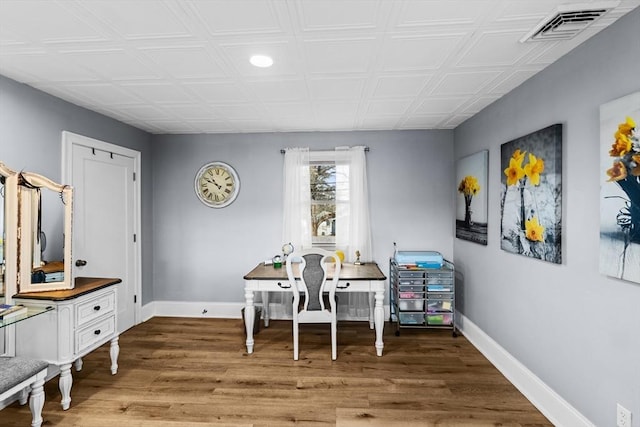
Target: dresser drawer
<point x="93" y="308"/>
<point x="95" y="333"/>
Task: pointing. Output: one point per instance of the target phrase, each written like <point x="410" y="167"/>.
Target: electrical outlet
<point x="623" y="416"/>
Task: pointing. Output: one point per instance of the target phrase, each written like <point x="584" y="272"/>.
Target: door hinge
<point x="134" y="177"/>
<point x="135" y="299"/>
<point x="134" y="238"/>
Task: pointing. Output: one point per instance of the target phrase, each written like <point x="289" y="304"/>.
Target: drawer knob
<point x="81" y="263"/>
<point x="96" y="308"/>
<point x="97" y="332"/>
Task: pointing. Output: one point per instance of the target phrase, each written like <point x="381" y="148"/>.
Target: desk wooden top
<point x="368" y="271"/>
<point x="83" y="285"/>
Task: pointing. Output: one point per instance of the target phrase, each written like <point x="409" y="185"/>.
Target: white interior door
<point x="104" y="218"/>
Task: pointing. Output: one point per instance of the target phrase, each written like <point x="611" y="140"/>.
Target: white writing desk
<point x="353" y="278"/>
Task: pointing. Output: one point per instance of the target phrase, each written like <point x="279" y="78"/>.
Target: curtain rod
<point x="282" y="151"/>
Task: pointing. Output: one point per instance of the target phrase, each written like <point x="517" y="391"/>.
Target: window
<point x="325" y="181"/>
<point x="325" y="200"/>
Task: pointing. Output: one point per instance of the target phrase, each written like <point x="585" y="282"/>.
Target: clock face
<point x="217" y="184"/>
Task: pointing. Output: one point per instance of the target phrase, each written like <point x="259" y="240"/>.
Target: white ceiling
<point x="179" y="66"/>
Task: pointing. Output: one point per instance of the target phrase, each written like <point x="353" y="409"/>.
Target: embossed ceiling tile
<point x="467" y="83"/>
<point x="279" y="90"/>
<point x="174" y="125"/>
<point x="318" y="15"/>
<point x="185" y="62"/>
<point x="530" y="10"/>
<point x="282" y="52"/>
<point x="401" y="85"/>
<point x="438" y="12"/>
<point x="339" y="56"/>
<point x="104" y="93"/>
<point x="494" y="49"/>
<point x="238" y="111"/>
<point x="455" y="121"/>
<point x="34" y="22"/>
<point x="190" y="112"/>
<point x="509" y="81"/>
<point x="381" y="108"/>
<point x="434" y="105"/>
<point x="423" y="122"/>
<point x="44" y="68"/>
<point x="131" y="18"/>
<point x="142" y="112"/>
<point x="336" y="88"/>
<point x="212" y="126"/>
<point x="237" y="17"/>
<point x="289" y="109"/>
<point x="380" y="122"/>
<point x="251" y="126"/>
<point x="221" y="92"/>
<point x="479" y="103"/>
<point x="113" y="64"/>
<point x="159" y="92"/>
<point x="338" y="115"/>
<point x="419" y="53"/>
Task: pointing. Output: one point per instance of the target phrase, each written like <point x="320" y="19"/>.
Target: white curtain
<point x="297" y="198"/>
<point x="353" y="226"/>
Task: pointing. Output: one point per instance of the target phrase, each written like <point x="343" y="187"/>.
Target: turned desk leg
<point x="114" y="351"/>
<point x="64" y="383"/>
<point x="249" y="318"/>
<point x="265" y="308"/>
<point x="78" y="364"/>
<point x="36" y="402"/>
<point x="379" y="321"/>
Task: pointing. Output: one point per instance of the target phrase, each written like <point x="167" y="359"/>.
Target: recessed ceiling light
<point x="262" y="61"/>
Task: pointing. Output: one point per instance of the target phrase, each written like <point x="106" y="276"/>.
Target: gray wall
<point x="574" y="328"/>
<point x="31" y="125"/>
<point x="201" y="254"/>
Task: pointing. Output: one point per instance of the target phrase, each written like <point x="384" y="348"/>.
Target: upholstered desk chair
<point x="314" y="297"/>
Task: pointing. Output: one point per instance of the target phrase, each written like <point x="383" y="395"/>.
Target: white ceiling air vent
<point x="568" y="20"/>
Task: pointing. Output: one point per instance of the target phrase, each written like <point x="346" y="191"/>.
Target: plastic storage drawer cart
<point x="422" y="297"/>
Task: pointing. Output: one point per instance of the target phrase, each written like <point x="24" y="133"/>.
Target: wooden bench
<point x="19" y="375"/>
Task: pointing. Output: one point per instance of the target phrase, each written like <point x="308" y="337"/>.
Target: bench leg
<point x="36" y="402"/>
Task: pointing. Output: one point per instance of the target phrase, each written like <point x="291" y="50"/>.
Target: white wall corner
<point x="550" y="403"/>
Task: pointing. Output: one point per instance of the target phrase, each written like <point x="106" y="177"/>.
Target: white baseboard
<point x="550" y="403"/>
<point x="220" y="310"/>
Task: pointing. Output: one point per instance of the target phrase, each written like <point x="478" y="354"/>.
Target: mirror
<point x="45" y="243"/>
<point x="8" y="233"/>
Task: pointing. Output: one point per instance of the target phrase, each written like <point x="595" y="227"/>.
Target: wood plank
<point x="196" y="372"/>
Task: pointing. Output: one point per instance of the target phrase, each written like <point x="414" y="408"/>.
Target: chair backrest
<point x="312" y="267"/>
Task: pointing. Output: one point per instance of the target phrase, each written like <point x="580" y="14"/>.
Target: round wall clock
<point x="217" y="184"/>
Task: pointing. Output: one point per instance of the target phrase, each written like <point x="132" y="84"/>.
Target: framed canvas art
<point x="531" y="196"/>
<point x="472" y="197"/>
<point x="620" y="188"/>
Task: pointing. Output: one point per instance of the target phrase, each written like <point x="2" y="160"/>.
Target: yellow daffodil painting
<point x="620" y="188"/>
<point x="471" y="174"/>
<point x="531" y="204"/>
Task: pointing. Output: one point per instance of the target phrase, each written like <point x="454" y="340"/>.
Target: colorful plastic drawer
<point x="411" y="288"/>
<point x="411" y="318"/>
<point x="445" y="319"/>
<point x="439" y="295"/>
<point x="411" y="304"/>
<point x="410" y="295"/>
<point x="440" y="288"/>
<point x="440" y="306"/>
<point x="411" y="274"/>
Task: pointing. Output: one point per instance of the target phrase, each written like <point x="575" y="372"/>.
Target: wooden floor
<point x="196" y="372"/>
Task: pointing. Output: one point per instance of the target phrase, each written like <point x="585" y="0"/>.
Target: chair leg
<point x="334" y="340"/>
<point x="295" y="339"/>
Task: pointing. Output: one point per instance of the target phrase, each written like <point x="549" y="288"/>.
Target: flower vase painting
<point x="620" y="188"/>
<point x="472" y="200"/>
<point x="531" y="199"/>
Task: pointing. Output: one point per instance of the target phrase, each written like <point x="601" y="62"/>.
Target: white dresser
<point x="82" y="319"/>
